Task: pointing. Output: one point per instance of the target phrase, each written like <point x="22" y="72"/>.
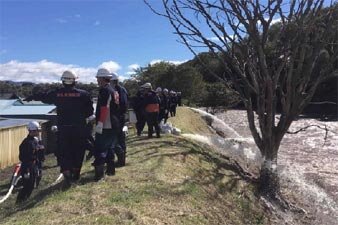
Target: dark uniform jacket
<point x="164" y="105"/>
<point x="107" y="107"/>
<point x="73" y="105"/>
<point x="123" y="97"/>
<point x="28" y="150"/>
<point x="137" y="102"/>
<point x="151" y="102"/>
<point x="173" y="101"/>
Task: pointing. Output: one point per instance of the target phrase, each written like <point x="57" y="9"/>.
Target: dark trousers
<point x="104" y="147"/>
<point x="161" y="115"/>
<point x="72" y="147"/>
<point x="152" y="122"/>
<point x="141" y="122"/>
<point x="173" y="111"/>
<point x="28" y="173"/>
<point x="120" y="148"/>
<point x="121" y="136"/>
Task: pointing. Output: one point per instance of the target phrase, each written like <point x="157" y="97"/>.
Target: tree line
<point x="198" y="83"/>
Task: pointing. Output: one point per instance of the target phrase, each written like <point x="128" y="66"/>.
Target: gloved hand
<point x="90" y="119"/>
<point x="29" y="98"/>
<point x="99" y="128"/>
<point x="54" y="129"/>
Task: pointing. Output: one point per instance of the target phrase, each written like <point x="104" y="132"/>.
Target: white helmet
<point x="68" y="77"/>
<point x="146" y="86"/>
<point x="159" y="89"/>
<point x="114" y="76"/>
<point x="33" y="125"/>
<point x="103" y="73"/>
<point x="165" y="90"/>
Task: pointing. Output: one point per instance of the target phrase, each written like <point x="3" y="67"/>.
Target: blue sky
<point x="83" y="35"/>
<point x="39" y="39"/>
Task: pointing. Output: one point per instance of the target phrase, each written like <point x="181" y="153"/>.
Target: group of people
<point x="77" y="122"/>
<point x="74" y="113"/>
<point x="153" y="107"/>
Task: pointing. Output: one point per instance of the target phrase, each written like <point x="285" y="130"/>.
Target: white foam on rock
<point x="218" y="124"/>
<point x="232" y="144"/>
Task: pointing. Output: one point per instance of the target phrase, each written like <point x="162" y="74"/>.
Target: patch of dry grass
<point x="169" y="180"/>
<point x="189" y="122"/>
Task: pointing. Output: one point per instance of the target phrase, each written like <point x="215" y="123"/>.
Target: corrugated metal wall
<point x="10" y="139"/>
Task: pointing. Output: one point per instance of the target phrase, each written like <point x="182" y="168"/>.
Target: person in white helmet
<point x="107" y="125"/>
<point x="121" y="148"/>
<point x="173" y="103"/>
<point x="166" y="100"/>
<point x="152" y="109"/>
<point x="28" y="156"/>
<point x="164" y="105"/>
<point x="73" y="107"/>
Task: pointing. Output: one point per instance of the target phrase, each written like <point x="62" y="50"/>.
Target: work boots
<point x="67" y="179"/>
<point x="110" y="169"/>
<point x="76" y="174"/>
<point x="121" y="159"/>
<point x="99" y="172"/>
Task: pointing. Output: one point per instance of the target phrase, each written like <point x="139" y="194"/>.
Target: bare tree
<point x="276" y="53"/>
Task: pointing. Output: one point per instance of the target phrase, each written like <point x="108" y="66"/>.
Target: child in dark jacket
<point x="29" y="156"/>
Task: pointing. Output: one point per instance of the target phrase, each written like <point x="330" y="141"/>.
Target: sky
<point x="39" y="39"/>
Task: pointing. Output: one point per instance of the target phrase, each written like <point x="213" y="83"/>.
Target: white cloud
<point x="97" y="23"/>
<point x="275" y="21"/>
<point x="111" y="66"/>
<point x="77" y="16"/>
<point x="132" y="68"/>
<point x="216" y="39"/>
<point x="175" y="62"/>
<point x="46" y="71"/>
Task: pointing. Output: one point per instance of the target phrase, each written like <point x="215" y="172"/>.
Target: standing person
<point x="107" y="125"/>
<point x="179" y="98"/>
<point x="167" y="104"/>
<point x="28" y="155"/>
<point x="173" y="103"/>
<point x="152" y="108"/>
<point x="121" y="148"/>
<point x="73" y="107"/>
<point x="163" y="114"/>
<point x="138" y="106"/>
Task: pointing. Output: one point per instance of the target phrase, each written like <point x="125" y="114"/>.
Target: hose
<point x="14" y="181"/>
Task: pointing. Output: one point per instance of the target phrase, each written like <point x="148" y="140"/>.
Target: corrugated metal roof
<point x="4" y="103"/>
<point x="27" y="110"/>
<point x="33" y="103"/>
<point x="6" y="123"/>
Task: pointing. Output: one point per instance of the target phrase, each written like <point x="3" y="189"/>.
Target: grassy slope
<point x="166" y="181"/>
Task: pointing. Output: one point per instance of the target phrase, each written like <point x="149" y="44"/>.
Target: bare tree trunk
<point x="269" y="181"/>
